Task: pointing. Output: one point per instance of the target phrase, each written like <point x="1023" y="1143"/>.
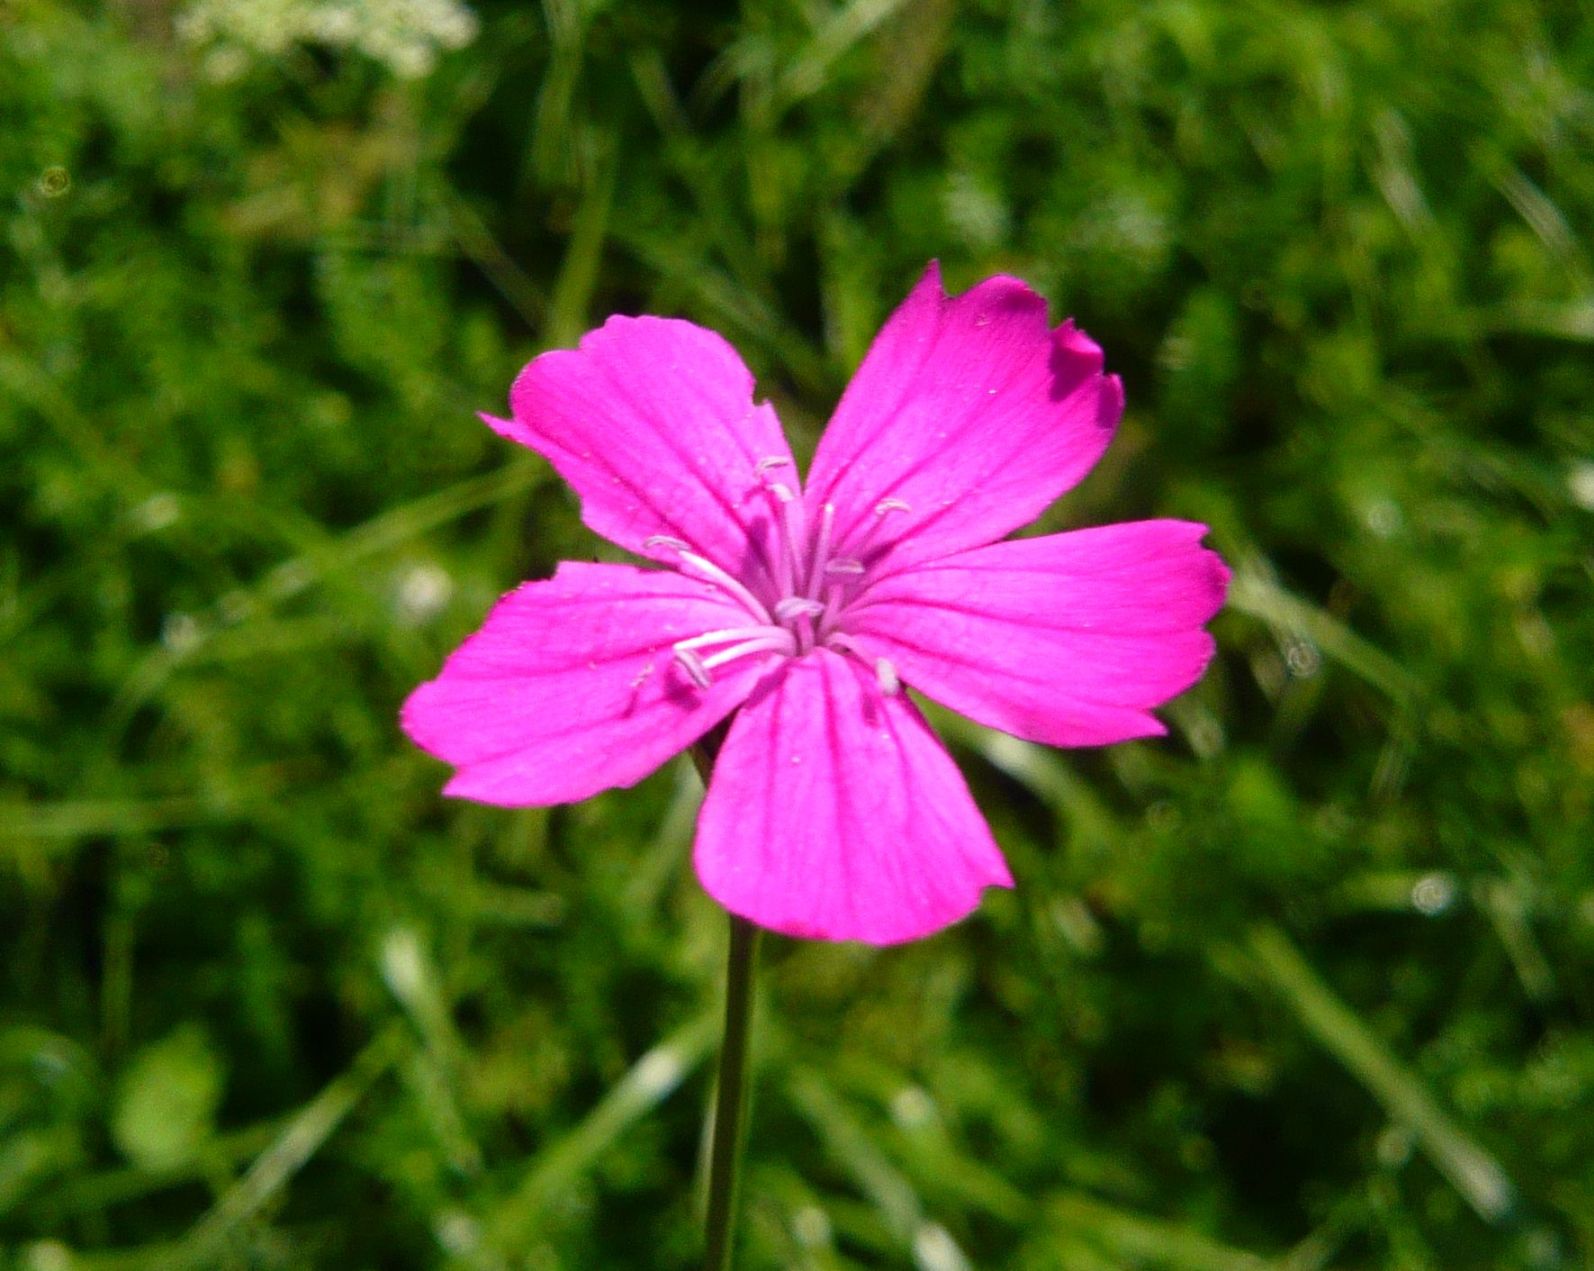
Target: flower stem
<point x="730" y="1103"/>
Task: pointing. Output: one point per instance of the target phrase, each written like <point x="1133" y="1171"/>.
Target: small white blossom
<point x="404" y="35"/>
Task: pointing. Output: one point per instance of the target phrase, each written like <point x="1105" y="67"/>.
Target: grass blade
<point x="1471" y="1170"/>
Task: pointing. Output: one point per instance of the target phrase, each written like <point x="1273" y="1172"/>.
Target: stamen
<point x="778" y="641"/>
<point x="885" y="670"/>
<point x="665" y="540"/>
<point x="886" y="675"/>
<point x="882" y="510"/>
<point x="714" y="573"/>
<point x="769" y="463"/>
<point x="724" y="636"/>
<point x="827" y="519"/>
<point x="839" y="573"/>
<point x="827" y="620"/>
<point x="796" y="537"/>
<point x="693" y="666"/>
<point x="795" y="606"/>
<point x="788" y="566"/>
<point x="758" y="640"/>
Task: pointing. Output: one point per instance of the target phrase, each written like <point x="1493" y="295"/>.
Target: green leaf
<point x="166" y="1100"/>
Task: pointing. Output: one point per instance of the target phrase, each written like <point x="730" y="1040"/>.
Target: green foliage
<point x="1305" y="985"/>
<point x="165" y="1107"/>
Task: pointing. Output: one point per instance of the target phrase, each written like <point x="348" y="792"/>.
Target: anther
<point x="666" y="540"/>
<point x="843" y="565"/>
<point x="769" y="462"/>
<point x="886" y="675"/>
<point x="865" y="542"/>
<point x="793" y="606"/>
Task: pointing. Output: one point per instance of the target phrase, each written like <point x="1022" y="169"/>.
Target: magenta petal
<point x="570" y="687"/>
<point x="1067" y="639"/>
<point x="834" y="813"/>
<point x="652" y="421"/>
<point x="969" y="409"/>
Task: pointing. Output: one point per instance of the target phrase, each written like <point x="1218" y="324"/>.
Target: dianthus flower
<point x="801" y="609"/>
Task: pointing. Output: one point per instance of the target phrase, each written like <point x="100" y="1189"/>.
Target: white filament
<point x="811" y="587"/>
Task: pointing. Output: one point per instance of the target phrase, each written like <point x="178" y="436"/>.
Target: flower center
<point x="805" y="593"/>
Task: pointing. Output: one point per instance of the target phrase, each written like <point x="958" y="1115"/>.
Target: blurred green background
<point x="1309" y="984"/>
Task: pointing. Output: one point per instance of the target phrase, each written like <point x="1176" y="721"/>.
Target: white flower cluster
<point x="404" y="35"/>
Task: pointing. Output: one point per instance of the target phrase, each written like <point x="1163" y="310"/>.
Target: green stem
<point x="730" y="1103"/>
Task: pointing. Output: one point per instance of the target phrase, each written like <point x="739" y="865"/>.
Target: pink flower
<point x="801" y="609"/>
